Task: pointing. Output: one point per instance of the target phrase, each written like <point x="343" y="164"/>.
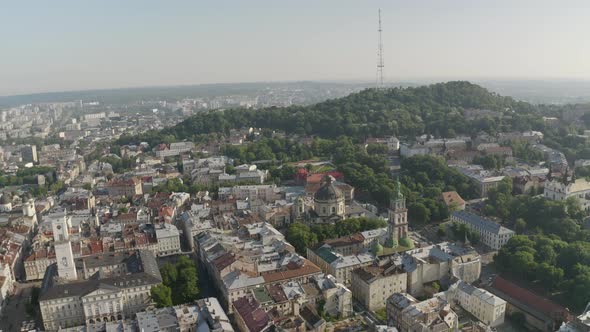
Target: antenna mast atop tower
<point x="380" y="63"/>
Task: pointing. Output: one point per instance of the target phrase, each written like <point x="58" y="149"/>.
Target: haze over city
<point x="295" y="166"/>
<point x="78" y="45"/>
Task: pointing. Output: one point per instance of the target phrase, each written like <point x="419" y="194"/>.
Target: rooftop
<point x="481" y="222"/>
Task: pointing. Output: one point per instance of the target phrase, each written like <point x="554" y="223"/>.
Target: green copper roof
<point x="326" y="254"/>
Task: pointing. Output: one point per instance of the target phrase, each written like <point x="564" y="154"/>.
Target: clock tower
<point x="66" y="267"/>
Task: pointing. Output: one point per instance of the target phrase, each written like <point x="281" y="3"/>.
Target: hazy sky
<point x="82" y="44"/>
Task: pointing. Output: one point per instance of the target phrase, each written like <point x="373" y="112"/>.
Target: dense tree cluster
<point x="525" y="152"/>
<point x="425" y="178"/>
<point x="179" y="283"/>
<point x="120" y="165"/>
<point x="463" y="233"/>
<point x="404" y="112"/>
<point x="537" y="214"/>
<point x="301" y="236"/>
<point x="556" y="265"/>
<point x="28" y="176"/>
<point x="268" y="149"/>
<point x="490" y="162"/>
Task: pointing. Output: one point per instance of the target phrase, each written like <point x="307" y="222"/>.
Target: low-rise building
<point x="373" y="285"/>
<point x="338" y="265"/>
<point x="453" y="200"/>
<point x="485" y="306"/>
<point x="408" y="314"/>
<point x="168" y="238"/>
<point x="492" y="234"/>
<point x="124" y="187"/>
<point x="206" y="315"/>
<point x="438" y="262"/>
<point x="337" y="298"/>
<point x="250" y="316"/>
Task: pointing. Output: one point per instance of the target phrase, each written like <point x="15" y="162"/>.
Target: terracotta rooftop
<point x="530" y="299"/>
<point x="255" y="318"/>
<point x="224" y="261"/>
<point x="452" y="197"/>
<point x="307" y="269"/>
<point x="277" y="293"/>
<point x="345" y="240"/>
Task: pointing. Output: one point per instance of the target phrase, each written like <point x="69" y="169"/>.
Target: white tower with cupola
<point x="64" y="255"/>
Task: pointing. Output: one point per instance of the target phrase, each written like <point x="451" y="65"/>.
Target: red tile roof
<point x="224" y="261"/>
<point x="308" y="268"/>
<point x="452" y="197"/>
<point x="255" y="318"/>
<point x="530" y="299"/>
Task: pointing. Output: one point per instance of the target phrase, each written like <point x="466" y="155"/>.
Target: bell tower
<point x="397" y="226"/>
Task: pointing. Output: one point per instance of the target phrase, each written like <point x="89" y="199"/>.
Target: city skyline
<point x="91" y="45"/>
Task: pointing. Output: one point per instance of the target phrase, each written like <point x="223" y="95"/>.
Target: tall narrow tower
<point x="398" y="217"/>
<point x="380" y="63"/>
<point x="66" y="267"/>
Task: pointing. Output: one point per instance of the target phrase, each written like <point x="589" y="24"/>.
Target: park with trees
<point x="179" y="283"/>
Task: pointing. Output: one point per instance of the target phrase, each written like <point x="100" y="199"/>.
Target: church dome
<point x="328" y="192"/>
<point x="406" y="242"/>
<point x="377" y="249"/>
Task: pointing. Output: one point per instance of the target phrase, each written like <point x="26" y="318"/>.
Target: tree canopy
<point x="179" y="283"/>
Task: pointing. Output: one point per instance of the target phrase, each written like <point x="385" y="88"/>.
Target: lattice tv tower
<point x="380" y="63"/>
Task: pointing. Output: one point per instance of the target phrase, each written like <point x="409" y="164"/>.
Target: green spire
<point x="398" y="195"/>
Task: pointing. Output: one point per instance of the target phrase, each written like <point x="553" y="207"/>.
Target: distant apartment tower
<point x="95" y="116"/>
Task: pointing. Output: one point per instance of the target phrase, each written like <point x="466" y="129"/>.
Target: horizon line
<point x="401" y="80"/>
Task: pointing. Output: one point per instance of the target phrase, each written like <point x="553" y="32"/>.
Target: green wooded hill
<point x="435" y="109"/>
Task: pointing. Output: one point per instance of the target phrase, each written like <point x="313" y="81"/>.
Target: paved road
<point x="15" y="311"/>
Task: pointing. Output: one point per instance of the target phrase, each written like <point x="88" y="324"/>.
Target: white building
<point x="492" y="234"/>
<point x="95" y="116"/>
<point x="103" y="297"/>
<point x="408" y="151"/>
<point x="485" y="306"/>
<point x="407" y="314"/>
<point x="206" y="316"/>
<point x="264" y="192"/>
<point x="168" y="238"/>
<point x="373" y="285"/>
<point x="558" y="191"/>
<point x="392" y="143"/>
<point x="174" y="149"/>
<point x="439" y="261"/>
<point x="338" y="298"/>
